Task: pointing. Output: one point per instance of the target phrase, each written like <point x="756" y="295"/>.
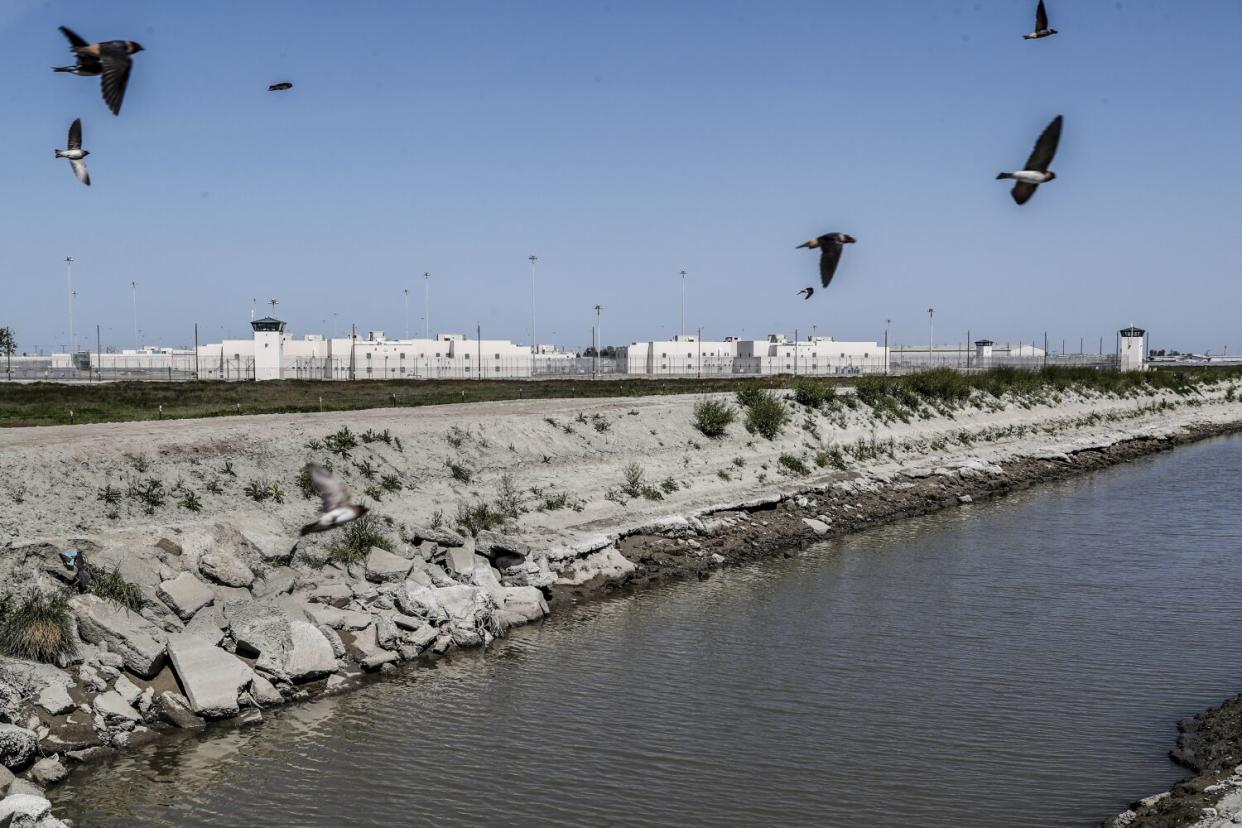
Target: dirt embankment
<point x="233" y="613"/>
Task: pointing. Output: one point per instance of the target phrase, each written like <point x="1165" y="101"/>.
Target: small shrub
<point x="712" y="417"/>
<point x="365" y="469"/>
<point x="342" y="442"/>
<point x="793" y="465"/>
<point x="766" y="415"/>
<point x="740" y="462"/>
<point x="615" y="495"/>
<point x="460" y="473"/>
<point x="214" y="487"/>
<point x="813" y="393"/>
<point x="633" y="480"/>
<point x="38" y="627"/>
<point x="552" y="422"/>
<point x="831" y="456"/>
<point x="554" y="501"/>
<point x="356" y="540"/>
<point x="140" y="463"/>
<point x="314" y="445"/>
<point x="456" y="437"/>
<point x="651" y="493"/>
<point x="374" y="492"/>
<point x="669" y="485"/>
<point x="601" y="425"/>
<point x="372" y="436"/>
<point x="477" y="518"/>
<point x="437" y="519"/>
<point x="112" y="586"/>
<point x="306" y="485"/>
<point x="391" y="483"/>
<point x="150" y="493"/>
<point x="746" y="395"/>
<point x="724" y="475"/>
<point x="258" y="490"/>
<point x="109" y="495"/>
<point x="509" y="499"/>
<point x="190" y="501"/>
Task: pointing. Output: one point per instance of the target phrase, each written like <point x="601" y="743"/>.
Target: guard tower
<point x="269" y="346"/>
<point x="1132" y="350"/>
<point x="983" y="353"/>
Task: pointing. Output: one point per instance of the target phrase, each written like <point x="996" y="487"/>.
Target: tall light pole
<point x="931" y="335"/>
<point x="683" y="304"/>
<point x="407" y="312"/>
<point x="887" y="322"/>
<point x="134" y="287"/>
<point x="532" y="259"/>
<point x="599" y="337"/>
<point x="334" y="324"/>
<point x="273" y="303"/>
<point x="426" y="306"/>
<point x="69" y="275"/>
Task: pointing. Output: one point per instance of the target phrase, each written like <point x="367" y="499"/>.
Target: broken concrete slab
<point x="185" y="595"/>
<point x="139" y="642"/>
<point x="211" y="677"/>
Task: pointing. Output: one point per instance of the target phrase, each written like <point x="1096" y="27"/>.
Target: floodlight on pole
<point x="69" y="276"/>
<point x="532" y="259"/>
<point x="931" y="334"/>
<point x="426" y="306"/>
<point x="134" y="287"/>
<point x="407" y="312"/>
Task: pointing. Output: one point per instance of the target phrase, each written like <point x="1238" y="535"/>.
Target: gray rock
<point x="145" y="699"/>
<point x="6" y="778"/>
<point x="224" y="567"/>
<point x="24" y="810"/>
<point x="55" y="699"/>
<point x="48" y="771"/>
<point x="265" y="693"/>
<point x="383" y="566"/>
<point x="471" y="614"/>
<point x="17" y="746"/>
<point x="406" y="622"/>
<point x="128" y="690"/>
<point x="211" y="677"/>
<point x="521" y="605"/>
<point x="260" y="630"/>
<point x="337" y="619"/>
<point x="420" y="601"/>
<point x="459" y="561"/>
<point x="816" y="526"/>
<point x="423" y="636"/>
<point x="24" y="787"/>
<point x="964" y="499"/>
<point x="231" y="595"/>
<point x="175" y="709"/>
<point x="337" y="593"/>
<point x="185" y="595"/>
<point x="364" y="647"/>
<point x="139" y="642"/>
<point x="386" y="633"/>
<point x="109" y="659"/>
<point x="310" y="654"/>
<point x="112" y="706"/>
<point x="278" y="581"/>
<point x="501" y="551"/>
<point x="418" y="534"/>
<point x="208" y="624"/>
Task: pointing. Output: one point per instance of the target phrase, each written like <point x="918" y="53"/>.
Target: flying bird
<point x="1036" y="171"/>
<point x="807" y="292"/>
<point x="337" y="508"/>
<point x="1041" y="24"/>
<point x="280" y="87"/>
<point x="110" y="59"/>
<point x="830" y="246"/>
<point x="75" y="153"/>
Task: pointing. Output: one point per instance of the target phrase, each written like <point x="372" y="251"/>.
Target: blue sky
<point x="623" y="142"/>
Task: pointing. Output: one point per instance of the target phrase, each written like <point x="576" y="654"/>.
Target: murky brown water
<point x="1017" y="663"/>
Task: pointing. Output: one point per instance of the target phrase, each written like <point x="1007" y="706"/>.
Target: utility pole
<point x="795" y="352"/>
<point x="931" y="335"/>
<point x="478" y="344"/>
<point x="195" y="350"/>
<point x="253" y="302"/>
<point x="273" y="303"/>
<point x="98" y="355"/>
<point x="532" y="259"/>
<point x="682" y="331"/>
<point x="967" y="350"/>
<point x="69" y="275"/>
<point x="134" y="288"/>
<point x="599" y="339"/>
<point x="699" y="341"/>
<point x="887" y="322"/>
<point x="1045" y="349"/>
<point x="407" y="312"/>
<point x="426" y="306"/>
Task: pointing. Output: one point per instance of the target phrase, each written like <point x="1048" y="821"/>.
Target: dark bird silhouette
<point x="75" y="153"/>
<point x="807" y="292"/>
<point x="280" y="87"/>
<point x="830" y="246"/>
<point x="109" y="59"/>
<point x="1036" y="171"/>
<point x="1041" y="24"/>
<point x="337" y="508"/>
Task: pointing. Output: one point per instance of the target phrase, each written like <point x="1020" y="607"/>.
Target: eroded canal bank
<point x="232" y="618"/>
